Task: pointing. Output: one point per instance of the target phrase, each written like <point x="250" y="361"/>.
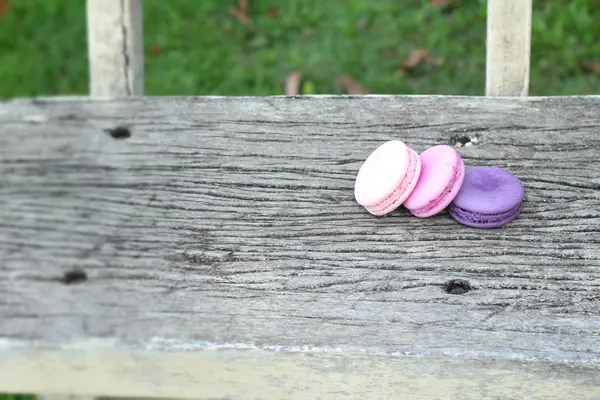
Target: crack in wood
<point x="126" y="50"/>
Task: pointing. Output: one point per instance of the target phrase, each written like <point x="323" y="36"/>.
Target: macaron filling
<point x="398" y="193"/>
<point x="485" y="219"/>
<point x="457" y="172"/>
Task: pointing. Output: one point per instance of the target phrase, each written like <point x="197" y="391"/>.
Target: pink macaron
<point x="442" y="174"/>
<point x="387" y="177"/>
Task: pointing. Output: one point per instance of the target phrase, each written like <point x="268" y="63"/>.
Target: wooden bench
<point x="211" y="247"/>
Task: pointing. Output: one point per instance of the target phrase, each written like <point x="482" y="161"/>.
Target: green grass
<point x="16" y="397"/>
<point x="205" y="50"/>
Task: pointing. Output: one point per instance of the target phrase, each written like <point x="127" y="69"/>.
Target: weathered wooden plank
<point x="508" y="46"/>
<point x="230" y="223"/>
<point x="115" y="47"/>
<point x="254" y="374"/>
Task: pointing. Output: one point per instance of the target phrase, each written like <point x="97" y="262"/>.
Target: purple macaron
<point x="488" y="198"/>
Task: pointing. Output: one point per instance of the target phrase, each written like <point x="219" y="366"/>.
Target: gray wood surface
<point x="231" y="222"/>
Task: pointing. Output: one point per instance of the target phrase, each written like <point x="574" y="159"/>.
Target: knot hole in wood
<point x="74" y="276"/>
<point x="463" y="140"/>
<point x="457" y="286"/>
<point x="120" y="132"/>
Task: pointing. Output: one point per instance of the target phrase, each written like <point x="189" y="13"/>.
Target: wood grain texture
<point x="115" y="47"/>
<point x="508" y="47"/>
<point x="231" y="222"/>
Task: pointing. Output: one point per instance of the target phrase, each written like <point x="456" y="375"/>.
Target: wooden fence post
<point x="508" y="45"/>
<point x="115" y="47"/>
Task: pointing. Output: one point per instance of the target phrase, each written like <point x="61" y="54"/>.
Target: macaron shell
<point x="489" y="190"/>
<point x="404" y="189"/>
<point x="484" y="220"/>
<point x="381" y="173"/>
<point x="442" y="173"/>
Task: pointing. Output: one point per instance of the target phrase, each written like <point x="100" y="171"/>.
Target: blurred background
<point x="273" y="47"/>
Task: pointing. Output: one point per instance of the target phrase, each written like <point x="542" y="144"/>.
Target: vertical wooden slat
<point x="508" y="47"/>
<point x="115" y="47"/>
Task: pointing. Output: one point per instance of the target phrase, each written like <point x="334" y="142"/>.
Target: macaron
<point x="489" y="197"/>
<point x="442" y="174"/>
<point x="387" y="177"/>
